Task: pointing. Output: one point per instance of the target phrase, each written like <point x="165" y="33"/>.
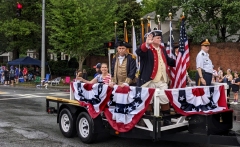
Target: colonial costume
<point x="123" y="68"/>
<point x="154" y="63"/>
<point x="154" y="72"/>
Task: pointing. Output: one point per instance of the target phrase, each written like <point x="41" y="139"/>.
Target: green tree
<point x="206" y="18"/>
<point x="213" y="18"/>
<point x="79" y="28"/>
<point x="127" y="10"/>
<point x="19" y="34"/>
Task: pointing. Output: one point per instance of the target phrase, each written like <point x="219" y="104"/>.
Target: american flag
<point x="182" y="61"/>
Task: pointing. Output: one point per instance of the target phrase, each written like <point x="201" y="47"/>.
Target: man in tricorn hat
<point x="123" y="68"/>
<point x="154" y="72"/>
<point x="204" y="65"/>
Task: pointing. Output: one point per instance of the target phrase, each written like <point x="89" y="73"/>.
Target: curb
<point x="34" y="88"/>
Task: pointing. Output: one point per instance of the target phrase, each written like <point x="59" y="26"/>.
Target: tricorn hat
<point x="123" y="43"/>
<point x="154" y="33"/>
<point x="176" y="46"/>
<point x="205" y="42"/>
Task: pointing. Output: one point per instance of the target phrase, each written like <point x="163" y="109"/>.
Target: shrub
<point x="192" y="74"/>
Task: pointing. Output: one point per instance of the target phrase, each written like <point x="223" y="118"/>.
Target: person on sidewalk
<point x="17" y="75"/>
<point x="154" y="72"/>
<point x="235" y="88"/>
<point x="6" y="76"/>
<point x="12" y="75"/>
<point x="124" y="67"/>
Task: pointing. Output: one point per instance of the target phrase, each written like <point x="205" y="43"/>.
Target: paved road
<point x="24" y="123"/>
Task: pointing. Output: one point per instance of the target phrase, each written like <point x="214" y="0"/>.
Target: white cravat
<point x="121" y="58"/>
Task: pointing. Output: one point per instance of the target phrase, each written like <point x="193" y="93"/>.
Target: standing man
<point x="154" y="72"/>
<point x="123" y="68"/>
<point x="204" y="65"/>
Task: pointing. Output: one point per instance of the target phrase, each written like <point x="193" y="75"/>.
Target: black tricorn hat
<point x="123" y="43"/>
<point x="205" y="42"/>
<point x="176" y="46"/>
<point x="156" y="33"/>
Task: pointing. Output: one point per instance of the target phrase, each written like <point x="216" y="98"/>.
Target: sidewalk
<point x="34" y="88"/>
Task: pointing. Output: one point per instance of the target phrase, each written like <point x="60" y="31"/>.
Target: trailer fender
<point x="75" y="110"/>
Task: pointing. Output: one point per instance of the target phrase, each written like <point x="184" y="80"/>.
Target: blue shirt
<point x="95" y="75"/>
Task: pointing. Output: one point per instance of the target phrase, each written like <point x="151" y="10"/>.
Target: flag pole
<point x="170" y="25"/>
<point x="142" y="28"/>
<point x="115" y="23"/>
<point x="148" y="18"/>
<point x="125" y="31"/>
<point x="132" y="20"/>
<point x="109" y="54"/>
<point x="125" y="34"/>
<point x="159" y="22"/>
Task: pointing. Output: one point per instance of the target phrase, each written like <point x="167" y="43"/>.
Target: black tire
<point x="67" y="123"/>
<point x="85" y="128"/>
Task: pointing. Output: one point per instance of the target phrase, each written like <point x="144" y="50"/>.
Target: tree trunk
<point x="15" y="54"/>
<point x="80" y="62"/>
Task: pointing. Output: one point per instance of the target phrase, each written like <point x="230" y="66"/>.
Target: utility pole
<point x="43" y="62"/>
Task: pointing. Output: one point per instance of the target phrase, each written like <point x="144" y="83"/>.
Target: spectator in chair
<point x="104" y="77"/>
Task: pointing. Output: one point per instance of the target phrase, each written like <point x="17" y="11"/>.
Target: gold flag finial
<point x="182" y="16"/>
<point x="148" y="18"/>
<point x="170" y="15"/>
<point x="158" y="17"/>
<point x="125" y="23"/>
<point x="132" y="20"/>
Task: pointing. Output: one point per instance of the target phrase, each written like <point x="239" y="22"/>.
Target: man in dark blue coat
<point x="123" y="68"/>
<point x="154" y="72"/>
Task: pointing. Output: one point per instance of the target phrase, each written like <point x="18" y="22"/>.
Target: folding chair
<point x="55" y="81"/>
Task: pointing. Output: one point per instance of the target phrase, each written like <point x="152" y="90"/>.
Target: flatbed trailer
<point x="74" y="119"/>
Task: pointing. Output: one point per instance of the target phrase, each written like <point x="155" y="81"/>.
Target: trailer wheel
<point x="85" y="126"/>
<point x="67" y="123"/>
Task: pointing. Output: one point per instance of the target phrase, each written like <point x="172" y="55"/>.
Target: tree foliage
<point x="213" y="18"/>
<point x="217" y="20"/>
<point x="79" y="28"/>
<point x="127" y="10"/>
<point x="20" y="33"/>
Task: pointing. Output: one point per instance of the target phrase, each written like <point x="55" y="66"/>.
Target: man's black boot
<point x="166" y="121"/>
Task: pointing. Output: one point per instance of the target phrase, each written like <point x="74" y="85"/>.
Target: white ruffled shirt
<point x="121" y="58"/>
